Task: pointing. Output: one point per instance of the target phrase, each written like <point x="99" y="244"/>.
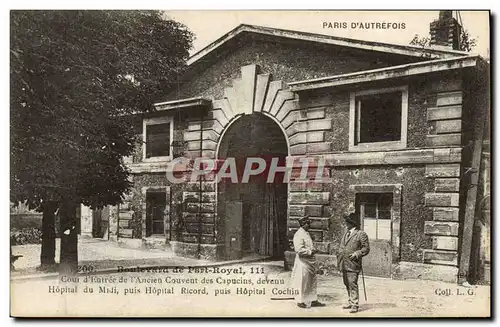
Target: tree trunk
<point x="47" y="257"/>
<point x="69" y="239"/>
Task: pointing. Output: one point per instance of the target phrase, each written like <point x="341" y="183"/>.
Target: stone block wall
<point x="125" y="219"/>
<point x="283" y="61"/>
<point x="444" y="126"/>
<point x="199" y="218"/>
<point x="428" y="170"/>
<point x="314" y="203"/>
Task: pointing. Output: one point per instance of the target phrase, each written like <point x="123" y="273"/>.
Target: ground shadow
<point x="327" y="298"/>
<point x="369" y="306"/>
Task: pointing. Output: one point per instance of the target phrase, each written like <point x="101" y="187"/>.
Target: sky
<point x="210" y="25"/>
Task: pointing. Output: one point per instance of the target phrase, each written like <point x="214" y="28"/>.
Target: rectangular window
<point x="376" y="214"/>
<point x="157" y="138"/>
<point x="378" y="119"/>
<point x="156" y="203"/>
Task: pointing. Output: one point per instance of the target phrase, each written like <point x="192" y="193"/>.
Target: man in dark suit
<point x="353" y="246"/>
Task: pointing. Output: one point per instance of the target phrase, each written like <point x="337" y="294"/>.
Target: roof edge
<point x="385" y="73"/>
<point x="182" y="103"/>
<point x="408" y="50"/>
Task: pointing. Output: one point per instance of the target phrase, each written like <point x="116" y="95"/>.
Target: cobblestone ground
<point x="258" y="289"/>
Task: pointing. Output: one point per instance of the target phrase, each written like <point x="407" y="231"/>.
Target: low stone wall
<point x="414" y="270"/>
<point x="26" y="220"/>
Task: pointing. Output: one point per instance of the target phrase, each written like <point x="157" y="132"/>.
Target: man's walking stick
<point x="363" y="276"/>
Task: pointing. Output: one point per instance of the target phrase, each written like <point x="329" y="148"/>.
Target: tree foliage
<point x="467" y="43"/>
<point x="76" y="76"/>
<point x="420" y="41"/>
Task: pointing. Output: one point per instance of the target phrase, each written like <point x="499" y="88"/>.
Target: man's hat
<point x="304" y="220"/>
<point x="351" y="218"/>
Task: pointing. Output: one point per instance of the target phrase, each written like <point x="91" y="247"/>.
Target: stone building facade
<point x="393" y="124"/>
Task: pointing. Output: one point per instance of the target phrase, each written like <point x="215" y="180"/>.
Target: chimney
<point x="445" y="31"/>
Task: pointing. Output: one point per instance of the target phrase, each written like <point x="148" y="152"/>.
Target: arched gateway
<point x="256" y="117"/>
<point x="252" y="216"/>
<point x="253" y="213"/>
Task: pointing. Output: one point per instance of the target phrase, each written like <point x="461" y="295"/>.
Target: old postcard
<point x="250" y="163"/>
